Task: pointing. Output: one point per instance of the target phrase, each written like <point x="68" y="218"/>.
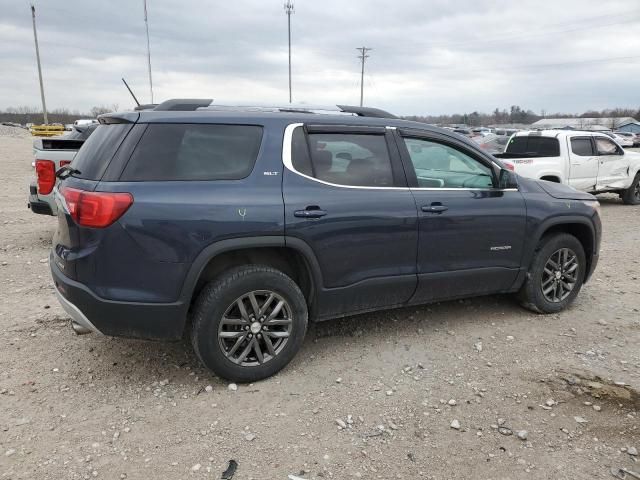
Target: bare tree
<point x="95" y="111"/>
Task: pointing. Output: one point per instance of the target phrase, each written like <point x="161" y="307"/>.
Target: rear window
<point x="95" y="154"/>
<point x="194" y="152"/>
<point x="534" y="146"/>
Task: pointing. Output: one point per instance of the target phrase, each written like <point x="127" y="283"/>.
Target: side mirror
<point x="507" y="179"/>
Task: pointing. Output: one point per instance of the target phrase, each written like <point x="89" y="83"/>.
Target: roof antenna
<point x="134" y="97"/>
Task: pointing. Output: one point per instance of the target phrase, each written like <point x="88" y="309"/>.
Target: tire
<point x="631" y="196"/>
<point x="532" y="296"/>
<point x="219" y="324"/>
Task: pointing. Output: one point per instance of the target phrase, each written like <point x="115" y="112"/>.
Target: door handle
<point x="434" y="208"/>
<point x="312" y="211"/>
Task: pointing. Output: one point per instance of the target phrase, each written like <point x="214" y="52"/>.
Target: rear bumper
<point x="40" y="207"/>
<point x="152" y="321"/>
<point x="43" y="205"/>
<point x="74" y="312"/>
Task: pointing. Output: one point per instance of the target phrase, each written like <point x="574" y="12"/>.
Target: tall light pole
<point x="289" y="9"/>
<point x="146" y="25"/>
<point x="35" y="37"/>
<point x="363" y="56"/>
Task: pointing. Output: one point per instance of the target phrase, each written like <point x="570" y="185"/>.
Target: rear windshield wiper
<point x="66" y="171"/>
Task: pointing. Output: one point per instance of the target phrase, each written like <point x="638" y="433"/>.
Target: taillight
<point x="46" y="174"/>
<point x="64" y="162"/>
<point x="96" y="209"/>
<point x="510" y="166"/>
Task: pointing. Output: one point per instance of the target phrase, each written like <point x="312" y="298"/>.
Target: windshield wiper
<point x="66" y="171"/>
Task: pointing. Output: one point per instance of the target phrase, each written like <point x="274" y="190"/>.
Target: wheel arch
<point x="579" y="227"/>
<point x="291" y="256"/>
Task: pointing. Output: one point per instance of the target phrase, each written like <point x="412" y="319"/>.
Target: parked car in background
<point x="481" y="131"/>
<point x="463" y="131"/>
<point x="50" y="155"/>
<point x="492" y="143"/>
<point x="85" y="121"/>
<point x="238" y="227"/>
<point x="588" y="161"/>
<point x="621" y="140"/>
<point x="505" y="131"/>
<point x="633" y="138"/>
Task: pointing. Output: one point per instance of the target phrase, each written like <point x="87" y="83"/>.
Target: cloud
<point x="427" y="58"/>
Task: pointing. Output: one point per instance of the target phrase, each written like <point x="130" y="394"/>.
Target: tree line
<point x="24" y="114"/>
<point x="514" y="115"/>
<point x="518" y="115"/>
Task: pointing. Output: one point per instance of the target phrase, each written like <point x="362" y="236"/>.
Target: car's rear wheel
<point x="249" y="323"/>
<point x="556" y="274"/>
<point x="631" y="196"/>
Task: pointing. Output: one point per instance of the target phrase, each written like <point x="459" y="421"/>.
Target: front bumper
<point x="151" y="321"/>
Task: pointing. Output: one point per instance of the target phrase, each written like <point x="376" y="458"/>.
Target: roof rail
<point x="183" y="104"/>
<point x="146" y="106"/>
<point x="366" y="111"/>
<point x="192" y="104"/>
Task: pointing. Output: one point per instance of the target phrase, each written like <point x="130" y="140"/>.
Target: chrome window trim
<point x="288" y="163"/>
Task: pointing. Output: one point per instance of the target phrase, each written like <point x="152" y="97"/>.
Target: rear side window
<point x="582" y="147"/>
<point x="194" y="152"/>
<point x="534" y="146"/>
<point x="351" y="159"/>
<point x="95" y="154"/>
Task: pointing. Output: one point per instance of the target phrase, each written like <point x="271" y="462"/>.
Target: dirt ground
<point x="75" y="407"/>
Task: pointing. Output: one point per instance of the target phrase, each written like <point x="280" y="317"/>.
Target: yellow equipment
<point x="46" y="130"/>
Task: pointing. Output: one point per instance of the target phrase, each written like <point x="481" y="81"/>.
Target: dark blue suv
<point x="237" y="226"/>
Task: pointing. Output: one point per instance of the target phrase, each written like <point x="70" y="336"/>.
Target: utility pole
<point x="363" y="56"/>
<point x="146" y="25"/>
<point x="289" y="9"/>
<point x="35" y="37"/>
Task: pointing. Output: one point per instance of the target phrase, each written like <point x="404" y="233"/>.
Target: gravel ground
<point x="468" y="389"/>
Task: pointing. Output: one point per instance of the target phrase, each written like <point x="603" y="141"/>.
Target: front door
<point x="471" y="234"/>
<point x="583" y="163"/>
<point x="346" y="197"/>
<point x="613" y="170"/>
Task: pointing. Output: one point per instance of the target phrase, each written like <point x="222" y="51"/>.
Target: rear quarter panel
<point x="171" y="222"/>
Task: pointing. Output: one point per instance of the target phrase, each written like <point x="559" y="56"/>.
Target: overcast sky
<point x="428" y="57"/>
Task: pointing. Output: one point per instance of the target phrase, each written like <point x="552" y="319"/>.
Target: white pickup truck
<point x="51" y="154"/>
<point x="588" y="161"/>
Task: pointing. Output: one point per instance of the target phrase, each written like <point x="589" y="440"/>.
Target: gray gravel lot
<point x="374" y="396"/>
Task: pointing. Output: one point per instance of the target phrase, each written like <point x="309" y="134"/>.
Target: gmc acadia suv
<point x="240" y="225"/>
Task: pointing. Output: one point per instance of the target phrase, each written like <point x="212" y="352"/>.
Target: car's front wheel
<point x="556" y="274"/>
<point x="631" y="196"/>
<point x="249" y="323"/>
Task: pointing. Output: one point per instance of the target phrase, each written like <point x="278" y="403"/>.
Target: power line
<point x="521" y="36"/>
<point x="363" y="56"/>
<point x="289" y="10"/>
<point x="541" y="65"/>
